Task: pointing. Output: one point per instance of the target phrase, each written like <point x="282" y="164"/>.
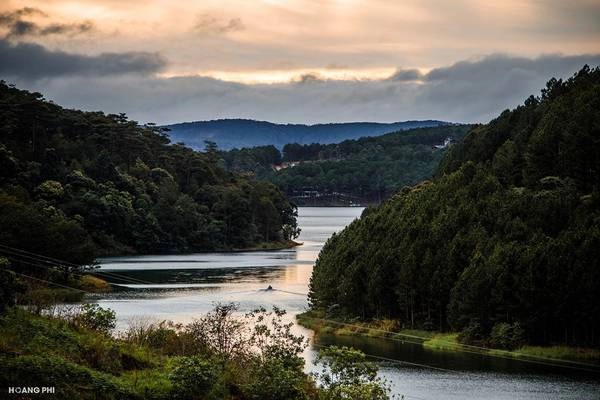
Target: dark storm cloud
<point x="468" y="91"/>
<point x="17" y="26"/>
<point x="209" y="24"/>
<point x="32" y="61"/>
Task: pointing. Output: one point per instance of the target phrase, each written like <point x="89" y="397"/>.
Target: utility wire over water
<point x="182" y="287"/>
<point x="24" y="256"/>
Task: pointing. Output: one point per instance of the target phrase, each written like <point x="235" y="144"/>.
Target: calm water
<point x="182" y="287"/>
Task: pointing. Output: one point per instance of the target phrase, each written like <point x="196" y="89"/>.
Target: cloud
<point x="406" y="75"/>
<point x="311" y="77"/>
<point x="15" y="15"/>
<point x="16" y="26"/>
<point x="467" y="91"/>
<point x="31" y="61"/>
<point x="209" y="24"/>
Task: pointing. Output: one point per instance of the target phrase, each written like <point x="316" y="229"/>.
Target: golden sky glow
<point x="302" y="61"/>
<point x="273" y="41"/>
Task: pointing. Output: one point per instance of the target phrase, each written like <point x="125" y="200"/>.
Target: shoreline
<point x="264" y="246"/>
<point x="442" y="341"/>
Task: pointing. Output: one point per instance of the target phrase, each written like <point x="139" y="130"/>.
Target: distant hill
<point x="355" y="171"/>
<point x="232" y="133"/>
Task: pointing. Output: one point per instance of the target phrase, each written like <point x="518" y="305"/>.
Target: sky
<point x="297" y="61"/>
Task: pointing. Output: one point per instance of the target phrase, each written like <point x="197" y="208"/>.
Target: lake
<point x="182" y="287"/>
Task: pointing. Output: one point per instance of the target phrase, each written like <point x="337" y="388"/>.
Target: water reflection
<point x="179" y="287"/>
<point x="182" y="287"/>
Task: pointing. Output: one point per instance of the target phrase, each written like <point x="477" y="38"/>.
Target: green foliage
<point x="169" y="361"/>
<point x="77" y="184"/>
<point x="369" y="168"/>
<point x="155" y="361"/>
<point x="191" y="377"/>
<point x="97" y="318"/>
<point x="70" y="380"/>
<point x="507" y="336"/>
<point x="348" y="375"/>
<point x="9" y="286"/>
<point x="272" y="379"/>
<point x="507" y="233"/>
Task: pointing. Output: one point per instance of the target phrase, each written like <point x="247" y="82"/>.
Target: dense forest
<point x="368" y="169"/>
<point x="239" y="133"/>
<point x="504" y="243"/>
<point x="77" y="184"/>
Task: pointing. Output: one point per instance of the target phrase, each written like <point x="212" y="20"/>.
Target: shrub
<point x="507" y="336"/>
<point x="97" y="318"/>
<point x="272" y="379"/>
<point x="348" y="375"/>
<point x="191" y="377"/>
<point x="473" y="334"/>
<point x="91" y="283"/>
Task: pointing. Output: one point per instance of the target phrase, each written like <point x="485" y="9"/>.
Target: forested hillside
<point x="238" y="133"/>
<point x="365" y="170"/>
<point x="75" y="184"/>
<point x="369" y="169"/>
<point x="503" y="245"/>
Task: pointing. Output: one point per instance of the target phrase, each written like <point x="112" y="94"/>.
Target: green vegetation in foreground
<point x="369" y="169"/>
<point x="501" y="246"/>
<point x="219" y="356"/>
<point x="436" y="341"/>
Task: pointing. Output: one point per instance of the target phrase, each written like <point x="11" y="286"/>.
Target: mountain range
<point x="238" y="133"/>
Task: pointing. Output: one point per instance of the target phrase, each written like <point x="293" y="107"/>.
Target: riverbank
<point x="279" y="245"/>
<point x="262" y="246"/>
<point x="437" y="341"/>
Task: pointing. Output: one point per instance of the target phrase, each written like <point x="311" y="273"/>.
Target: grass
<point x="566" y="353"/>
<point x="443" y="341"/>
<point x="316" y="321"/>
<point x="81" y="363"/>
<point x="91" y="283"/>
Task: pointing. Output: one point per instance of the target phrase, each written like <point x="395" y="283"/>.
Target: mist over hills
<point x="232" y="133"/>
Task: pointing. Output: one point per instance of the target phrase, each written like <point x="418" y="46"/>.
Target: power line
<point x="461" y="347"/>
<point x="14" y="249"/>
<point x="51" y="283"/>
<point x="49" y="260"/>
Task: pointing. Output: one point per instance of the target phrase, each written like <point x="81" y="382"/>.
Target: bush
<point x="348" y="375"/>
<point x="272" y="379"/>
<point x="46" y="299"/>
<point x="97" y="318"/>
<point x="473" y="334"/>
<point x="91" y="283"/>
<point x="507" y="336"/>
<point x="191" y="377"/>
<point x="165" y="336"/>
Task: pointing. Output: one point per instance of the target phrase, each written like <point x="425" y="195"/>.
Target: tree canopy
<point x="76" y="184"/>
<point x="505" y="238"/>
<point x="368" y="169"/>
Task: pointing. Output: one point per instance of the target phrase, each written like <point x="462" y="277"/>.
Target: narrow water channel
<point x="182" y="287"/>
